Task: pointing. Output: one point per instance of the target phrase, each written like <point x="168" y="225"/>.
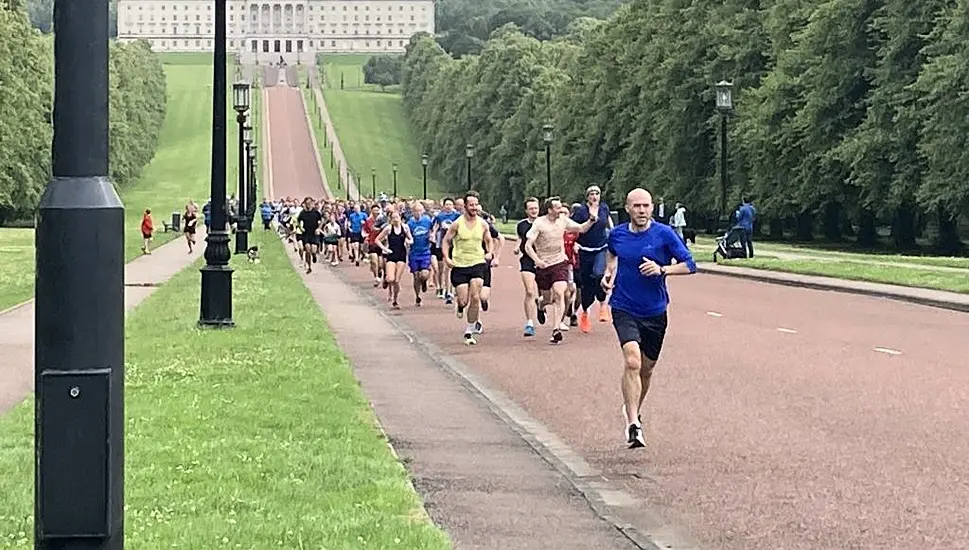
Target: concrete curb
<point x="644" y="527"/>
<point x="914" y="295"/>
<point x="911" y="295"/>
<point x="13" y="308"/>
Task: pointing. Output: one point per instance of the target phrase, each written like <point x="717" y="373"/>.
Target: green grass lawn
<point x="178" y="173"/>
<point x="374" y="132"/>
<point x="859" y="271"/>
<point x="243" y="438"/>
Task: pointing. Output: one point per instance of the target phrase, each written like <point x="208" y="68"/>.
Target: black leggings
<point x="590" y="286"/>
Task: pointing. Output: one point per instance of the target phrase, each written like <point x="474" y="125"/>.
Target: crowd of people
<point x="575" y="265"/>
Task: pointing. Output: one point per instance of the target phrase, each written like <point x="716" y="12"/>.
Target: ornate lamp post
<point x="469" y="154"/>
<point x="395" y="180"/>
<point x="424" y="167"/>
<point x="216" y="303"/>
<point x="253" y="189"/>
<point x="240" y="102"/>
<point x="725" y="106"/>
<point x="547" y="138"/>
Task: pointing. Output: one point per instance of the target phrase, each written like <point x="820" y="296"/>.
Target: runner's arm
<point x="501" y="245"/>
<point x="381" y="239"/>
<point x="612" y="262"/>
<point x="684" y="259"/>
<point x="489" y="244"/>
<point x="446" y="242"/>
<point x="408" y="238"/>
<point x="530" y="244"/>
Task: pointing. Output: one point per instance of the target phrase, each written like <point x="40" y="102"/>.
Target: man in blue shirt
<point x="745" y="220"/>
<point x="419" y="257"/>
<point x="355" y="221"/>
<point x="592" y="257"/>
<point x="442" y="222"/>
<point x="640" y="257"/>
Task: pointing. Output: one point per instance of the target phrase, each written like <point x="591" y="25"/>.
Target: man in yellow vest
<point x="468" y="259"/>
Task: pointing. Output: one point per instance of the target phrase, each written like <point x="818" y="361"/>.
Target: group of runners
<point x="574" y="264"/>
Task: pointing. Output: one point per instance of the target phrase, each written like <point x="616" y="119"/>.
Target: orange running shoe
<point x="605" y="316"/>
<point x="585" y="324"/>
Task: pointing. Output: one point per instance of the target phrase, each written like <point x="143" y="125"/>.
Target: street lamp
<point x="250" y="196"/>
<point x="469" y="154"/>
<point x="424" y="167"/>
<point x="725" y="106"/>
<point x="547" y="138"/>
<point x="373" y="182"/>
<point x="240" y="102"/>
<point x="79" y="330"/>
<point x="253" y="190"/>
<point x="395" y="180"/>
<point x="216" y="302"/>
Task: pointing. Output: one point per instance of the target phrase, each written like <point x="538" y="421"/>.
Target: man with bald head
<point x="640" y="257"/>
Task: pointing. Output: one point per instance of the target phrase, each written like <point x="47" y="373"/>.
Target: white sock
<point x="469" y="328"/>
<point x="529" y="323"/>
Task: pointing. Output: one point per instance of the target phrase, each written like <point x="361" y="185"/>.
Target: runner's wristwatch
<point x="662" y="270"/>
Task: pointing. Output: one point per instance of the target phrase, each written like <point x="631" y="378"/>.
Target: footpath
<point x="142" y="277"/>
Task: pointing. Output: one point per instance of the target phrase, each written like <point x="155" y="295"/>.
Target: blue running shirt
<point x="356" y="221"/>
<point x="420" y="231"/>
<point x="632" y="292"/>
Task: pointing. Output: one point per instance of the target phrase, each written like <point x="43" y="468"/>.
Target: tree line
<point x="464" y="25"/>
<point x="849" y="116"/>
<point x="137" y="111"/>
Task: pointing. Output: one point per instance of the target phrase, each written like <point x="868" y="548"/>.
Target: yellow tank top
<point x="467" y="249"/>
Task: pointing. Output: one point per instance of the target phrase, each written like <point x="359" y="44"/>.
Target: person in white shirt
<point x="679" y="220"/>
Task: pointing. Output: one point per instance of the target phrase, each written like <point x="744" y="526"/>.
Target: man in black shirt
<point x="310" y="224"/>
<point x="527" y="269"/>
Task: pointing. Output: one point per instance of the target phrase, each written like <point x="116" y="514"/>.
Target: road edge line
<point x="316" y="145"/>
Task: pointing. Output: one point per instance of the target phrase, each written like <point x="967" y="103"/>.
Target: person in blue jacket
<point x="745" y="216"/>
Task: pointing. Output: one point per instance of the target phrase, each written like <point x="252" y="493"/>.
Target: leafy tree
<point x="383" y="70"/>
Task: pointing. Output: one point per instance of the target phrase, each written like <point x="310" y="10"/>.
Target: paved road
<point x="479" y="479"/>
<point x="144" y="274"/>
<point x="780" y="418"/>
<point x="294" y="172"/>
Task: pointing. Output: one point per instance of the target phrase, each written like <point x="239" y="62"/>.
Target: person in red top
<point x="147" y="230"/>
<point x="374" y="252"/>
<point x="569" y="318"/>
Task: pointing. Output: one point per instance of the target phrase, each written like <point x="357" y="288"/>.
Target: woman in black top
<point x="310" y="222"/>
<point x="394" y="239"/>
<point x="191" y="222"/>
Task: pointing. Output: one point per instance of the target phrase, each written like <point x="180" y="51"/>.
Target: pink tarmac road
<point x="779" y="417"/>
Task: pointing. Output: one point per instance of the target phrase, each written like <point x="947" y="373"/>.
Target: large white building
<point x="264" y="31"/>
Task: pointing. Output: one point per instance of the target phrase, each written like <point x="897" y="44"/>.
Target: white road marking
<point x="714" y="314"/>
<point x="786" y="330"/>
<point x="889" y="351"/>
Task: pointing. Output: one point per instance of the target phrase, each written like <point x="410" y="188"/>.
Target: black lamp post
<point x="240" y="102"/>
<point x="725" y="106"/>
<point x="216" y="302"/>
<point x="247" y="134"/>
<point x="253" y="190"/>
<point x="395" y="180"/>
<point x="547" y="138"/>
<point x="424" y="167"/>
<point x="79" y="330"/>
<point x="373" y="182"/>
<point x="469" y="154"/>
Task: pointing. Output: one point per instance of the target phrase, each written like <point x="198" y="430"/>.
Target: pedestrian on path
<point x="191" y="222"/>
<point x="147" y="231"/>
<point x="639" y="259"/>
<point x="745" y="221"/>
<point x="679" y="221"/>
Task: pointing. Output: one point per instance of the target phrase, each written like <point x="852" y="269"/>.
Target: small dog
<point x="689" y="235"/>
<point x="253" y="254"/>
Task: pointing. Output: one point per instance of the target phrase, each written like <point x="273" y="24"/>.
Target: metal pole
<point x="425" y="182"/>
<point x="331" y="157"/>
<point x="723" y="166"/>
<point x="79" y="317"/>
<point x="216" y="303"/>
<point x="373" y="184"/>
<point x="395" y="184"/>
<point x="469" y="173"/>
<point x="242" y="233"/>
<point x="548" y="170"/>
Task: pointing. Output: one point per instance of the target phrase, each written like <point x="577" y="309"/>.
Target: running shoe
<point x="529" y="331"/>
<point x="424" y="286"/>
<point x="556" y="336"/>
<point x="484" y="305"/>
<point x="478" y="327"/>
<point x="541" y="311"/>
<point x="469" y="339"/>
<point x="634" y="436"/>
<point x="605" y="315"/>
<point x="585" y="324"/>
<point x="563" y="326"/>
<point x="417" y="301"/>
<point x="448" y="299"/>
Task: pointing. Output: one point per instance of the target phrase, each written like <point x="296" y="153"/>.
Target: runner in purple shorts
<point x="419" y="256"/>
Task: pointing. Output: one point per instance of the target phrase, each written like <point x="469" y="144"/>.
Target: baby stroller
<point x="730" y="246"/>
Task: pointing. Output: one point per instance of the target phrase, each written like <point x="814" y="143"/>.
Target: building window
<point x="276" y="46"/>
<point x="299" y="45"/>
<point x="332" y="43"/>
<point x="265" y="46"/>
<point x="289" y="46"/>
<point x="255" y="46"/>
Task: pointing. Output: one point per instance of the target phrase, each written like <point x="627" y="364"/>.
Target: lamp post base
<point x="216" y="303"/>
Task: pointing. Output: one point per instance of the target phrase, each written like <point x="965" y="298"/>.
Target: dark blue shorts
<point x="420" y="262"/>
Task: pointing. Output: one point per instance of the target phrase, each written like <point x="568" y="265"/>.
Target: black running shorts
<point x="463" y="275"/>
<point x="526" y="263"/>
<point x="648" y="332"/>
<point x="437" y="252"/>
<point x="487" y="276"/>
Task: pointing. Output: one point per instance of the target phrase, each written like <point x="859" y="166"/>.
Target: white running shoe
<point x="633" y="432"/>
